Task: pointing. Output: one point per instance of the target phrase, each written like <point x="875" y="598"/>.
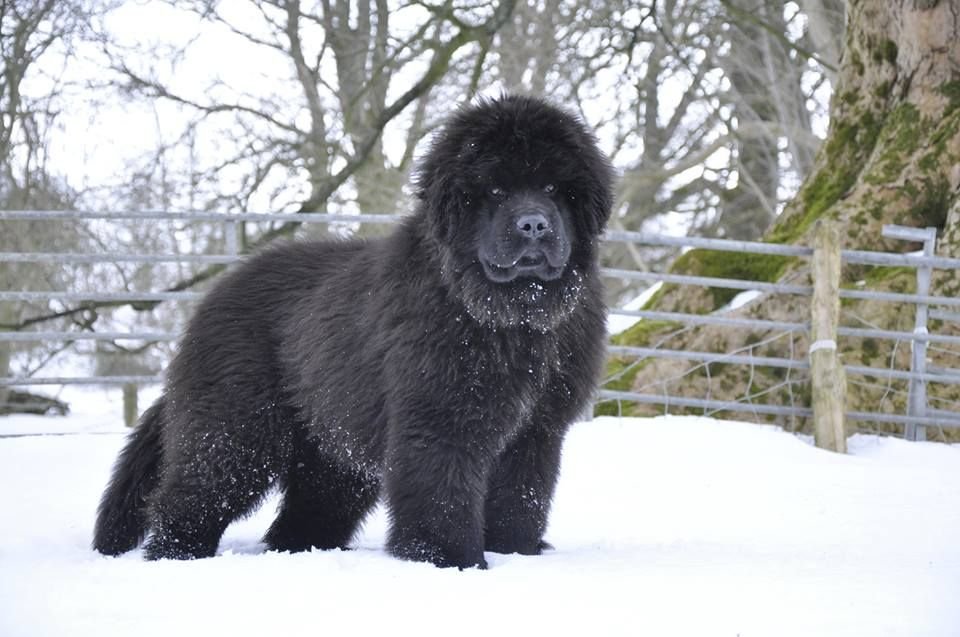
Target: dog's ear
<point x="595" y="189"/>
<point x="440" y="177"/>
<point x="586" y="170"/>
<point x="440" y="197"/>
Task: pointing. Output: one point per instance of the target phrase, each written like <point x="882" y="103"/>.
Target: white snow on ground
<point x="740" y="300"/>
<point x="662" y="526"/>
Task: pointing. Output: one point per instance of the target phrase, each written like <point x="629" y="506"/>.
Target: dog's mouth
<point x="532" y="265"/>
<point x="530" y="261"/>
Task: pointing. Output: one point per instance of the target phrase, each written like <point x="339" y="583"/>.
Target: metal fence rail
<point x="917" y="377"/>
<point x="87" y="336"/>
<point x="706" y="404"/>
<point x="81" y="380"/>
<point x="708" y="357"/>
<point x="194" y="215"/>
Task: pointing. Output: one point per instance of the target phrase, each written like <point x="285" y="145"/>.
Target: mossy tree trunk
<point x="892" y="155"/>
<point x="894" y="143"/>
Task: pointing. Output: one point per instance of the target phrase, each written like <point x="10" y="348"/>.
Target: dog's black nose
<point x="533" y="226"/>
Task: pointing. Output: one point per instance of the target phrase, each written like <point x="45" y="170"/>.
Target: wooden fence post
<point x="130" y="409"/>
<point x="828" y="379"/>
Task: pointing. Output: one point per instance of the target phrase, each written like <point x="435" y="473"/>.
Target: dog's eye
<point x="549" y="189"/>
<point x="497" y="191"/>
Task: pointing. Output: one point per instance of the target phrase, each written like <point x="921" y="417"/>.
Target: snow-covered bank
<point x="664" y="526"/>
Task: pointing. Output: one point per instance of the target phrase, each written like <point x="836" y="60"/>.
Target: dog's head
<point x="515" y="193"/>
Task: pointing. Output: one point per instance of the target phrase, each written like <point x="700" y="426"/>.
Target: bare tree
<point x="28" y="31"/>
<point x="705" y="107"/>
<point x="825" y="26"/>
<point x="766" y="70"/>
<point x="353" y="73"/>
<point x="31" y="35"/>
<point x="346" y="91"/>
<point x="891" y="156"/>
<point x="621" y="64"/>
<point x="300" y="141"/>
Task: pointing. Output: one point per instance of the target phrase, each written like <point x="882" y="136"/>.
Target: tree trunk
<point x="756" y="68"/>
<point x="892" y="155"/>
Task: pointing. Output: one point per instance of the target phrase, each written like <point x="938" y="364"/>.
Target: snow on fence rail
<point x="919" y="414"/>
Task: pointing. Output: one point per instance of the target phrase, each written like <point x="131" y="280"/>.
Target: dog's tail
<point x="122" y="515"/>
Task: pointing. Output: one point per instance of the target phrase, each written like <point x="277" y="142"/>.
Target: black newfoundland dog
<point x="438" y="368"/>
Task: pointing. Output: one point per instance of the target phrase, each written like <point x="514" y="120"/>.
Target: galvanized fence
<point x="918" y="415"/>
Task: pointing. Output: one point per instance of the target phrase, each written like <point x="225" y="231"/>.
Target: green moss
<point x="903" y="129"/>
<point x="951" y="91"/>
<point x="642" y="332"/>
<point x="870" y="350"/>
<point x="719" y="264"/>
<point x="857" y="63"/>
<point x="882" y="90"/>
<point x="899" y="134"/>
<point x="902" y="123"/>
<point x="929" y="162"/>
<point x="888" y="51"/>
<point x="849" y="97"/>
<point x="850" y="143"/>
<point x="873" y="277"/>
<point x="712" y="370"/>
<point x="947" y="130"/>
<point x="730" y="265"/>
<point x="611" y="408"/>
<point x="752" y="339"/>
<point x="881" y="273"/>
<point x="621" y="372"/>
<point x="932" y="207"/>
<point x="817" y="195"/>
<point x="893" y="278"/>
<point x="884" y="51"/>
<point x="911" y="190"/>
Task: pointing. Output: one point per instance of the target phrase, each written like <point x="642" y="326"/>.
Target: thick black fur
<point x="438" y="368"/>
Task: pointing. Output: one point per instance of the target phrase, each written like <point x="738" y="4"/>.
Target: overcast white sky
<point x="100" y="135"/>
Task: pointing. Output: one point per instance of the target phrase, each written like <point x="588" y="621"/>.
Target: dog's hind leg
<point x="214" y="474"/>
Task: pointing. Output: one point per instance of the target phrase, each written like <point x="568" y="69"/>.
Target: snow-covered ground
<point x="663" y="526"/>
